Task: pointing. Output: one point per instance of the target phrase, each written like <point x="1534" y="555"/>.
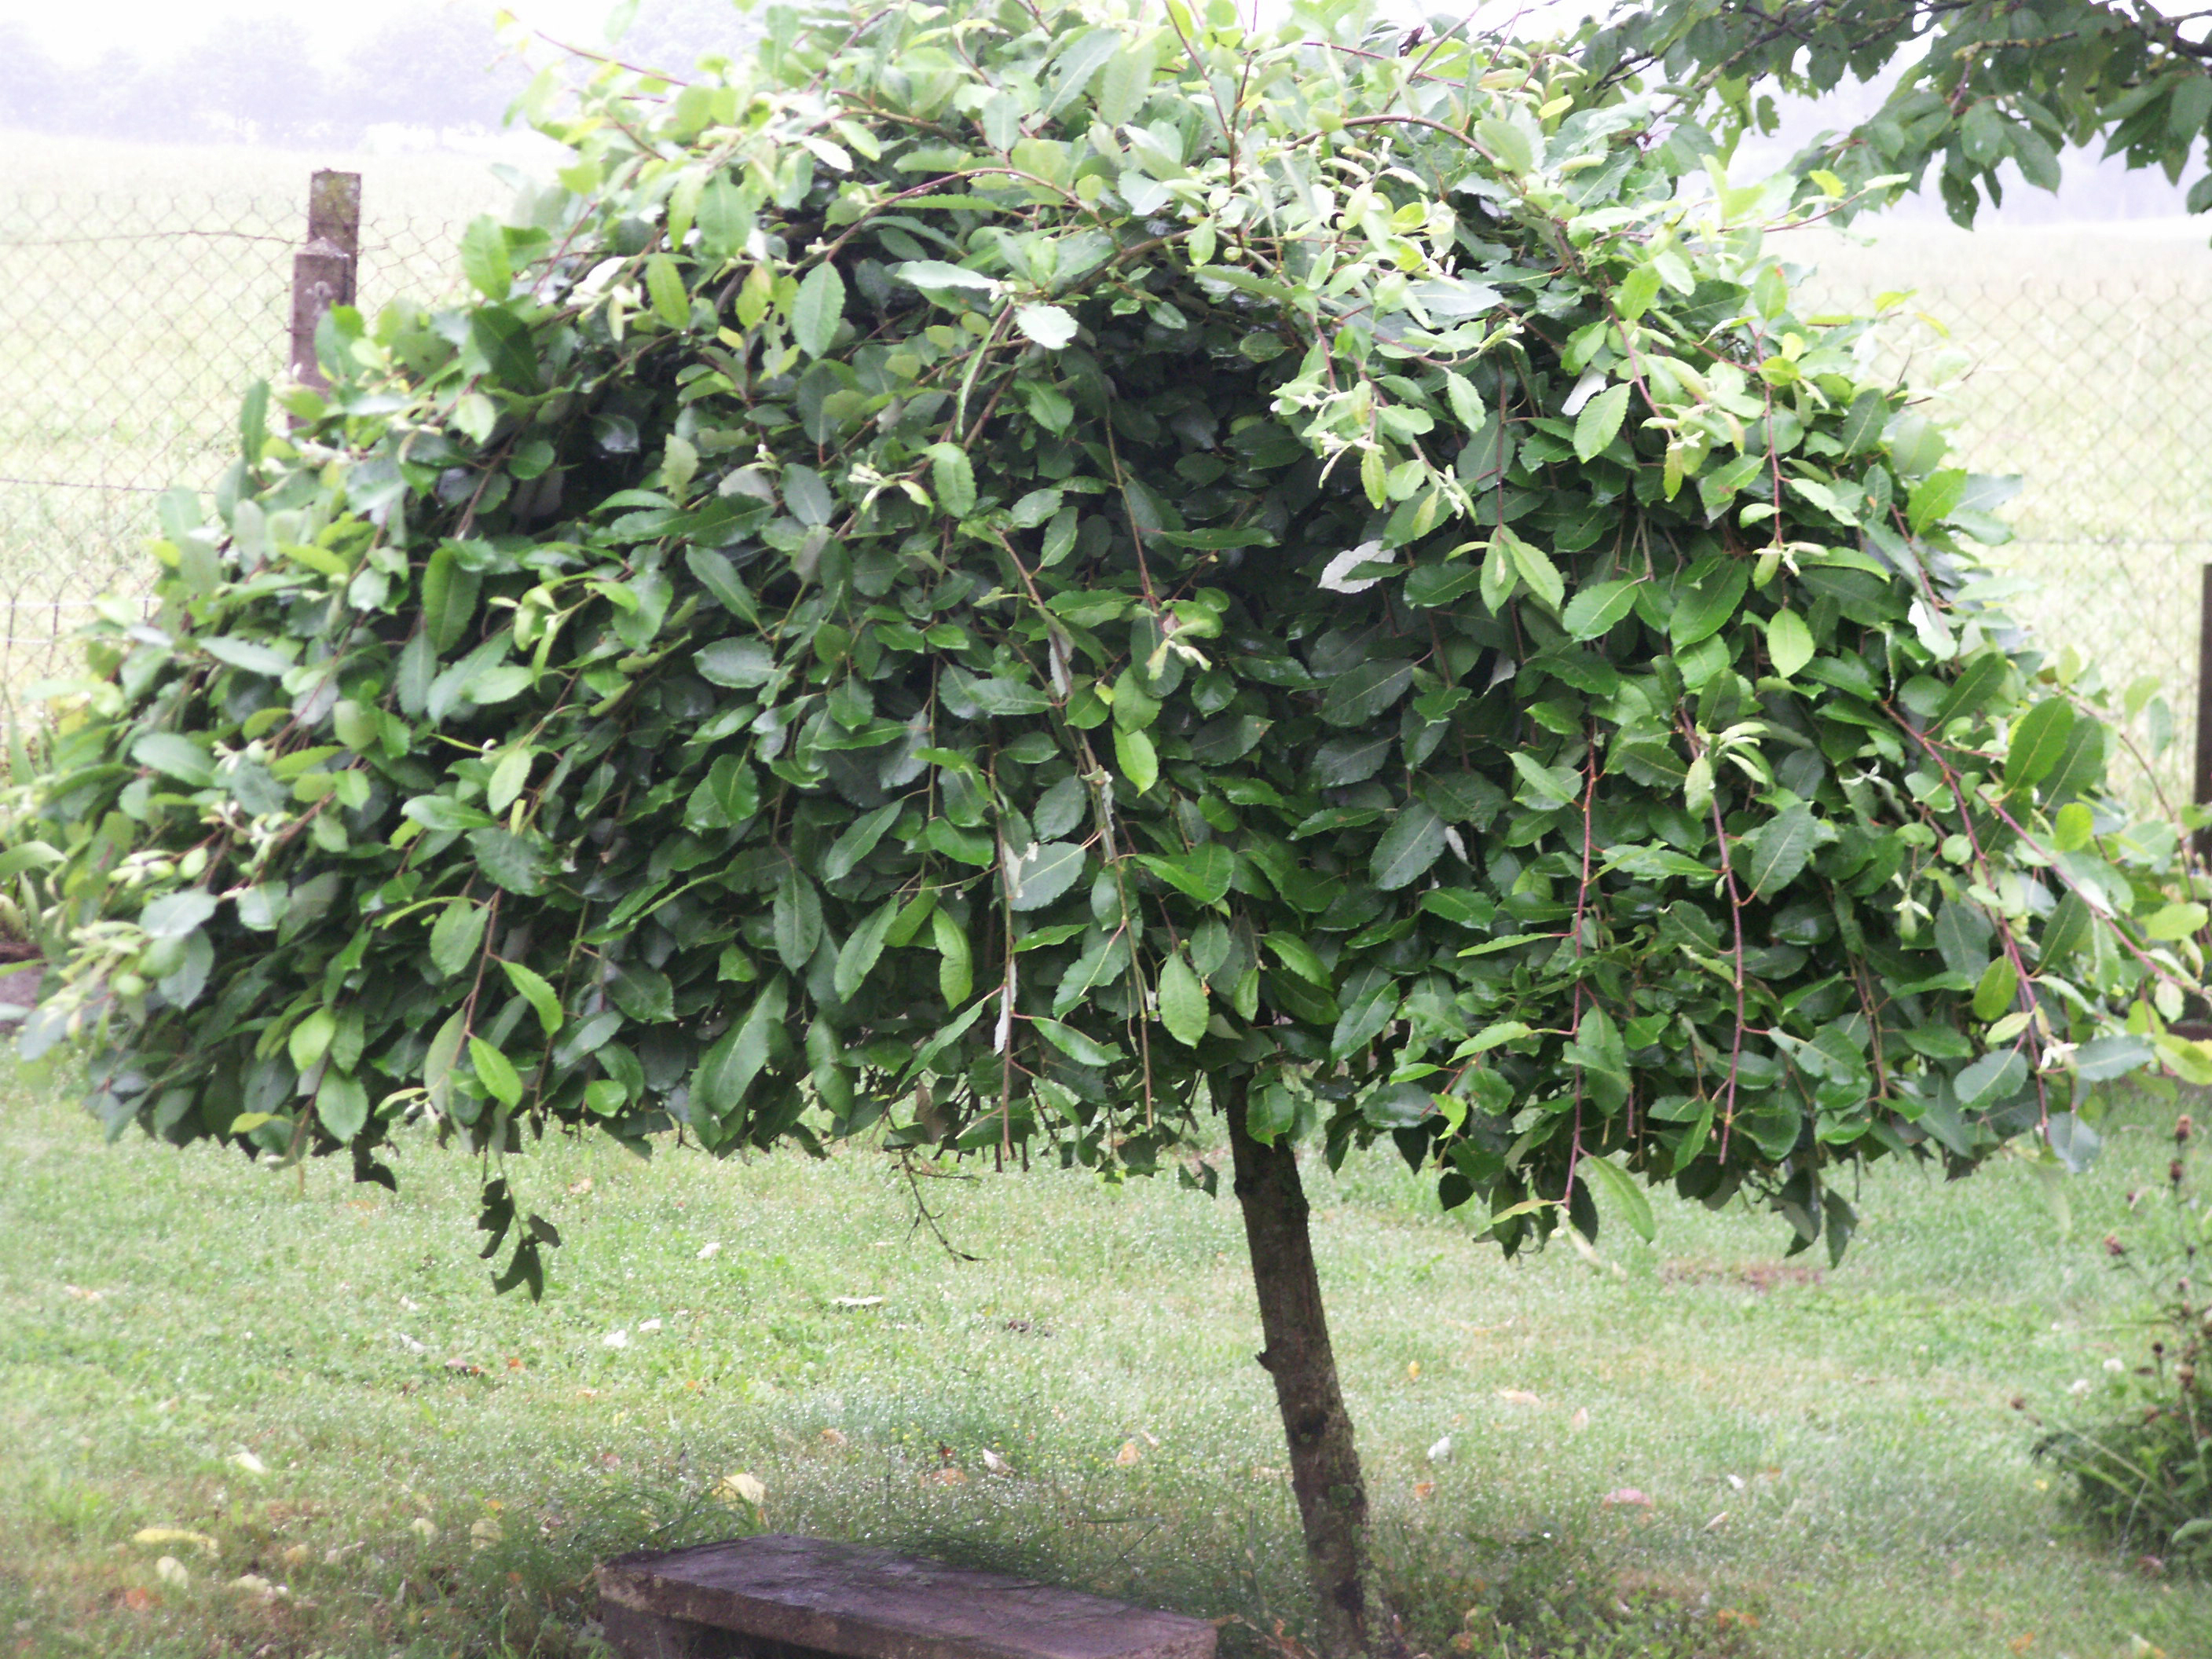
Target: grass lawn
<point x="316" y="1377"/>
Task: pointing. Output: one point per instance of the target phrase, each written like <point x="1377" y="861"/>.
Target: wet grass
<point x="1833" y="1460"/>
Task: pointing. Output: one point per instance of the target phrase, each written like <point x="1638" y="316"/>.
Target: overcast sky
<point x="79" y="30"/>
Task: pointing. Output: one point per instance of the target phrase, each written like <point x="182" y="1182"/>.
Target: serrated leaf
<point x="1788" y="642"/>
<point x="1049" y="325"/>
<point x="2039" y="742"/>
<point x="1040" y="873"/>
<point x="485" y="259"/>
<point x="510" y="860"/>
<point x="952" y="480"/>
<point x="857" y="959"/>
<point x="1076" y="1046"/>
<point x="795" y="920"/>
<point x="310" y="1039"/>
<point x="1183" y="1001"/>
<point x="534" y="989"/>
<point x="1594" y="609"/>
<point x="663" y="287"/>
<point x="1136" y="759"/>
<point x="342" y="1103"/>
<point x="1413" y="842"/>
<point x="857" y="841"/>
<point x="1779" y="851"/>
<point x="1600" y="422"/>
<point x="455" y="936"/>
<point x="1622" y="1194"/>
<point x="819" y="309"/>
<point x="1536" y="567"/>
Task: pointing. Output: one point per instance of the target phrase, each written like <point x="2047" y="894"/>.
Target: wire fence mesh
<point x="130" y="325"/>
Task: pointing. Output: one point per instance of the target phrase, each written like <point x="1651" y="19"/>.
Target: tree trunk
<point x="1324" y="1463"/>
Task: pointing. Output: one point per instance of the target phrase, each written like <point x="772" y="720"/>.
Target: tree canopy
<point x="1978" y="83"/>
<point x="1012" y="576"/>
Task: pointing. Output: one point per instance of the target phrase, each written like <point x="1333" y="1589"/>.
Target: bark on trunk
<point x="1324" y="1463"/>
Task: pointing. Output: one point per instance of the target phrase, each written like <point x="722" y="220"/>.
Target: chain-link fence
<point x="128" y="327"/>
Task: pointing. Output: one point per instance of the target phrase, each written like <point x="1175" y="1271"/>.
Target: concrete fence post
<point x="325" y="271"/>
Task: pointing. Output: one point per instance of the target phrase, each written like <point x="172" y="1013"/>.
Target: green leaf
<point x="1788" y="642"/>
<point x="449" y="598"/>
<point x="663" y="287"/>
<point x="1507" y="142"/>
<point x="455" y="936"/>
<point x="2000" y="980"/>
<point x="176" y="756"/>
<point x="1981" y="679"/>
<point x="1702" y="609"/>
<point x="727" y="1069"/>
<point x="484" y="258"/>
<point x="1594" y="609"/>
<point x="1779" y="850"/>
<point x="1622" y="1193"/>
<point x="1599" y="423"/>
<point x="956" y="975"/>
<point x="1183" y="1001"/>
<point x="1300" y="958"/>
<point x="510" y="860"/>
<point x="1413" y="842"/>
<point x="1536" y="569"/>
<point x="819" y="309"/>
<point x="310" y="1039"/>
<point x="1076" y="1046"/>
<point x="172" y="916"/>
<point x="2175" y="921"/>
<point x="503" y="341"/>
<point x="740" y="664"/>
<point x="2039" y="742"/>
<point x="952" y="479"/>
<point x="796" y="919"/>
<point x="857" y="958"/>
<point x="720" y="577"/>
<point x="1864" y="422"/>
<point x="1049" y="325"/>
<point x="495" y="1071"/>
<point x="1134" y="757"/>
<point x="342" y="1103"/>
<point x="535" y="991"/>
<point x="2073" y="828"/>
<point x="1203" y="873"/>
<point x="858" y="840"/>
<point x="1358" y="695"/>
<point x="1042" y="873"/>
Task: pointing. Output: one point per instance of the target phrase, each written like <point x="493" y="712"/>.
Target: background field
<point x="1834" y="1455"/>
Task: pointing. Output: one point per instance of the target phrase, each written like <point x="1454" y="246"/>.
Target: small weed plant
<point x="2145" y="1472"/>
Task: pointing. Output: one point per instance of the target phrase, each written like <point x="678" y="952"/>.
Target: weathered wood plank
<point x="779" y="1595"/>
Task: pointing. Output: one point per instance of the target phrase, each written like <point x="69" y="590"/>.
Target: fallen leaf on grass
<point x="1522" y="1397"/>
<point x="744" y="1485"/>
<point x="578" y="1188"/>
<point x="136" y="1600"/>
<point x="249" y="1462"/>
<point x="1130" y="1452"/>
<point x="173" y="1535"/>
<point x="648" y="1326"/>
<point x="1580" y="1420"/>
<point x="1413" y="1371"/>
<point x="464" y="1367"/>
<point x="253" y="1584"/>
<point x="856" y="1301"/>
<point x="833" y="1437"/>
<point x="945" y="1476"/>
<point x="996" y="1464"/>
<point x="170" y="1570"/>
<point x="709" y="1251"/>
<point x="1441" y="1452"/>
<point x="424" y="1528"/>
<point x="296" y="1555"/>
<point x="614" y="1339"/>
<point x="1716" y="1520"/>
<point x="483" y="1533"/>
<point x="2022" y="1643"/>
<point x="1628" y="1495"/>
<point x="82" y="1295"/>
<point x="1424" y="1491"/>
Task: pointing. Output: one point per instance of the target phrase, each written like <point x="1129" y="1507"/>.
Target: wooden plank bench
<point x="778" y="1596"/>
